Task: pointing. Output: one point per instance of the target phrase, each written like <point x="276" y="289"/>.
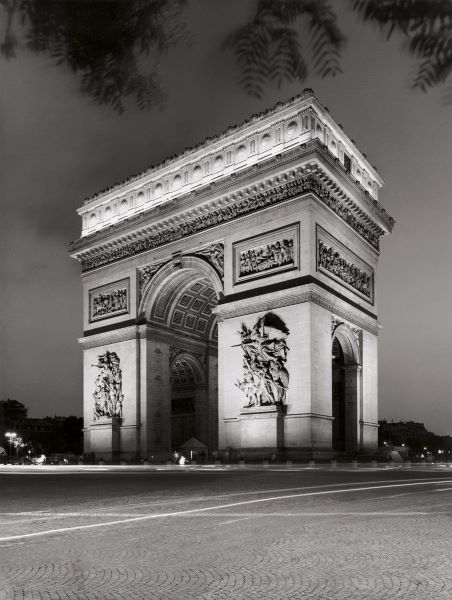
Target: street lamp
<point x="11" y="436"/>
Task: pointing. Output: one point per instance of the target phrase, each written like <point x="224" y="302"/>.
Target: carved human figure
<point x="268" y="256"/>
<point x="107" y="394"/>
<point x="266" y="379"/>
<point x="109" y="302"/>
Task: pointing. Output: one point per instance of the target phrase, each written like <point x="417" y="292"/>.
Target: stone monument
<point x="229" y="296"/>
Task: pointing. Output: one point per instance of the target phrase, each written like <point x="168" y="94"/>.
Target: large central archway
<point x="178" y="305"/>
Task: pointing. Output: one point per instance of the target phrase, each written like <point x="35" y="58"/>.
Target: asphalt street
<point x="225" y="533"/>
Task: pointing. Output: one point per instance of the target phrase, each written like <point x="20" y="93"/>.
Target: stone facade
<point x="225" y="285"/>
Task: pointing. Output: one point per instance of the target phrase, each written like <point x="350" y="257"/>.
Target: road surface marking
<point x="241" y="519"/>
<point x="205" y="509"/>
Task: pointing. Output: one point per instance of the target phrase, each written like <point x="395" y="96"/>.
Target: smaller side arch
<point x="183" y="361"/>
<point x="347" y="339"/>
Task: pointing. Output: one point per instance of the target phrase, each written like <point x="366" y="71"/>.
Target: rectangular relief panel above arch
<point x="266" y="254"/>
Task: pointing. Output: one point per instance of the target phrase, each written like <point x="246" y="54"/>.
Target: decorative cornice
<point x="244" y="205"/>
<point x="299" y="152"/>
<point x="110" y="337"/>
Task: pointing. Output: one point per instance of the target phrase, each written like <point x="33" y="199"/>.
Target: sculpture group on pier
<point x="108" y="396"/>
<point x="266" y="378"/>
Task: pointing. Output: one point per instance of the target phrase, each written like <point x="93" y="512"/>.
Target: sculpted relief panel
<point x="266" y="254"/>
<point x="109" y="300"/>
<point x="265" y="377"/>
<point x="339" y="262"/>
<point x="108" y="396"/>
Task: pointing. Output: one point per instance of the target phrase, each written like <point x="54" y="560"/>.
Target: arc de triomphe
<point x="229" y="296"/>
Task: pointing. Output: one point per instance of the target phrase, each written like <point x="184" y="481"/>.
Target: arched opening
<point x="338" y="397"/>
<point x="178" y="304"/>
<point x="188" y="390"/>
<point x="345" y="390"/>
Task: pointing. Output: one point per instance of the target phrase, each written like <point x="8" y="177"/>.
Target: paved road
<point x="193" y="533"/>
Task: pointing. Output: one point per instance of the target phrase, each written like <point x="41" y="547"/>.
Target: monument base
<point x="262" y="428"/>
<point x="104" y="438"/>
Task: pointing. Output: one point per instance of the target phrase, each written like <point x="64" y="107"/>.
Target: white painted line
<point x="241" y="519"/>
<point x="205" y="509"/>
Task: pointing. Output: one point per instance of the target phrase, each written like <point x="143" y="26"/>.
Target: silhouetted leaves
<point x="114" y="46"/>
<point x="427" y="24"/>
<point x="268" y="48"/>
<point x="109" y="43"/>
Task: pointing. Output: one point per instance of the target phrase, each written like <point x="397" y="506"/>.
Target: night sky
<point x="58" y="147"/>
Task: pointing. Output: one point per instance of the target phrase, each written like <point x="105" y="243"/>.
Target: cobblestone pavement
<point x="226" y="534"/>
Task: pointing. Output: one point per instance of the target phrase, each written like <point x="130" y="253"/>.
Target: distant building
<point x="414" y="435"/>
<point x="47" y="434"/>
<point x="12" y="414"/>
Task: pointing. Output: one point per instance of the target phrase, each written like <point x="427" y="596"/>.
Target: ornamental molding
<point x="290" y="297"/>
<point x="300" y="152"/>
<point x="227" y="209"/>
<point x="309" y="415"/>
<point x="105" y="338"/>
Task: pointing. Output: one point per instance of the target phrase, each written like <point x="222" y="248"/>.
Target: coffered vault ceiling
<point x="186" y="305"/>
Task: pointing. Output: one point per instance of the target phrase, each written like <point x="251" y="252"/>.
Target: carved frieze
<point x="108" y="396"/>
<point x="337" y="261"/>
<point x="231" y="211"/>
<point x="109" y="300"/>
<point x="266" y="379"/>
<point x="266" y="254"/>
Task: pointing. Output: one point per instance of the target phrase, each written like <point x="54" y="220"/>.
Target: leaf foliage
<point x="114" y="46"/>
<point x="108" y="43"/>
<point x="268" y="49"/>
<point x="427" y="26"/>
